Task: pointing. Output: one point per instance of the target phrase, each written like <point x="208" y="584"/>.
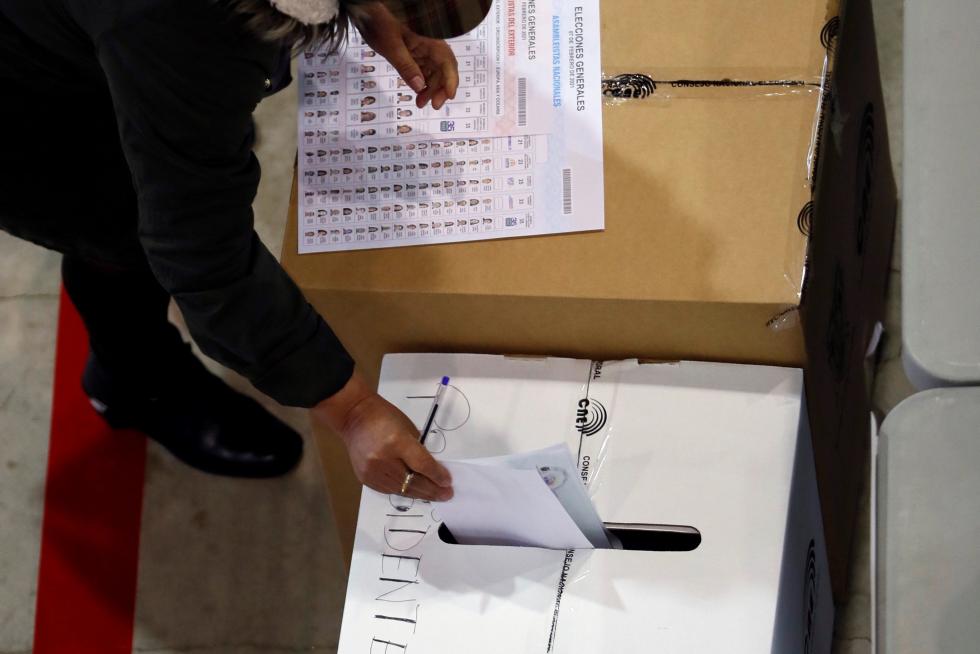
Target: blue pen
<point x="432" y="412"/>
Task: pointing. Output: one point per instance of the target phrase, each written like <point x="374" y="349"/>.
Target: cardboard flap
<point x="716" y="39"/>
<point x="717" y="182"/>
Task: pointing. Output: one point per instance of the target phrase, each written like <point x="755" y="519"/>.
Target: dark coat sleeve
<point x="184" y="81"/>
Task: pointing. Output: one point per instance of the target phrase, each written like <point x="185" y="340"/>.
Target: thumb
<point x="404" y="63"/>
<point x="419" y="459"/>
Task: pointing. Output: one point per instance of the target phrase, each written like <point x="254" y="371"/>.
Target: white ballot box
<point x="703" y="471"/>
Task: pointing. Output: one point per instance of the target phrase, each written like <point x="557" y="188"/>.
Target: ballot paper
<point x="501" y="506"/>
<point x="518" y="152"/>
<point x="532" y="499"/>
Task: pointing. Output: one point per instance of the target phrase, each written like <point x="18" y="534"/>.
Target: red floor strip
<point x="93" y="498"/>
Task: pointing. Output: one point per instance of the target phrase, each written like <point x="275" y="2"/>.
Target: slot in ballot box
<point x="749" y="213"/>
<point x="703" y="470"/>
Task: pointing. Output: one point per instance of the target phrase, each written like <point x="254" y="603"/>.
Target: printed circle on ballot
<point x="454" y="411"/>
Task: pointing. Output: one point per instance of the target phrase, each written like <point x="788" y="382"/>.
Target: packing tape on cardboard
<point x="785" y="319"/>
<point x="627" y="86"/>
<point x="630" y="86"/>
<point x="623" y="85"/>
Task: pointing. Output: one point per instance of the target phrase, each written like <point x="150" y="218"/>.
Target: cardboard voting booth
<point x="703" y="470"/>
<point x="749" y="216"/>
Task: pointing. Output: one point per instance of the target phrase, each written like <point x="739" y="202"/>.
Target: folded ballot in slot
<point x="701" y="472"/>
<point x="640" y="538"/>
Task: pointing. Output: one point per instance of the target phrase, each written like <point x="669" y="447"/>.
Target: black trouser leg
<point x="125" y="312"/>
<point x="147" y="379"/>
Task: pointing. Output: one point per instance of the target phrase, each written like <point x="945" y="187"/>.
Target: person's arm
<point x="184" y="85"/>
<point x="184" y="80"/>
<point x="382" y="442"/>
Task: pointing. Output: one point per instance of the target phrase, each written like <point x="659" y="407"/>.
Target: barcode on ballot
<point x="566" y="191"/>
<point x="522" y="101"/>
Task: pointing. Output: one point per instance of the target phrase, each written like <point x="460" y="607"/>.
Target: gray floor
<point x="261" y="555"/>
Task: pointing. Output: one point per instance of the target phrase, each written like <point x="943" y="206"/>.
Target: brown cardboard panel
<point x="717" y="184"/>
<point x="715" y="39"/>
<point x="372" y="324"/>
<point x="850" y="254"/>
<point x="867" y="189"/>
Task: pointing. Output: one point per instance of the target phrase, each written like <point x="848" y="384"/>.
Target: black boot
<point x="200" y="419"/>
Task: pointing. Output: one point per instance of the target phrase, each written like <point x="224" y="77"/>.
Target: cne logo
<point x="829" y="34"/>
<point x="809" y="598"/>
<point x="590" y="417"/>
<point x="804" y="219"/>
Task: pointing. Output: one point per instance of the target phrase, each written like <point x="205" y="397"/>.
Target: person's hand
<point x="383" y="444"/>
<point x="427" y="65"/>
